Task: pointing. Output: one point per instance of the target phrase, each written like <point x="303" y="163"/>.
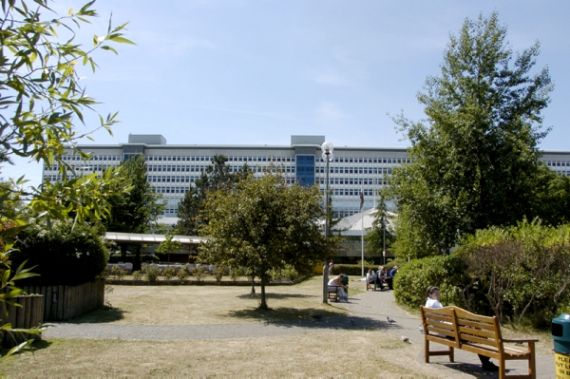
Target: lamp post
<point x="327" y="150"/>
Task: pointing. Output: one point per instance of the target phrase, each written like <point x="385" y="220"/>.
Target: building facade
<point x="172" y="168"/>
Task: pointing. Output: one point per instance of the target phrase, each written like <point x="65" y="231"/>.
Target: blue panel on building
<point x="305" y="169"/>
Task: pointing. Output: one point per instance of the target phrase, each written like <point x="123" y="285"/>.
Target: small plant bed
<point x="209" y="280"/>
<point x="192" y="274"/>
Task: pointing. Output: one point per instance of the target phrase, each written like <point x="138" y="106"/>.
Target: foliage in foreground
<point x="263" y="225"/>
<point x="521" y="274"/>
<point x="42" y="100"/>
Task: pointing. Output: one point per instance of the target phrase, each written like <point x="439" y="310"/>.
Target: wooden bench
<point x="333" y="293"/>
<point x="459" y="329"/>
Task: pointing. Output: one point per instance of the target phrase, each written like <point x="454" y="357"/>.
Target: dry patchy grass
<point x="199" y="305"/>
<point x="330" y="354"/>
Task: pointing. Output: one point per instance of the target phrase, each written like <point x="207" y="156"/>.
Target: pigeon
<point x="405" y="339"/>
<point x="390" y="321"/>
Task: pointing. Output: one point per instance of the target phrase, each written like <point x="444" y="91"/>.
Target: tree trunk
<point x="326" y="282"/>
<point x="263" y="304"/>
<point x="252" y="293"/>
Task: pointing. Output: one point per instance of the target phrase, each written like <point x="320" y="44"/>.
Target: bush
<point x="169" y="272"/>
<point x="116" y="271"/>
<point x="151" y="271"/>
<point x="62" y="255"/>
<point x="182" y="273"/>
<point x="525" y="270"/>
<point x="286" y="273"/>
<point x="137" y="275"/>
<point x="351" y="269"/>
<point x="445" y="272"/>
<point x="199" y="272"/>
<point x="219" y="272"/>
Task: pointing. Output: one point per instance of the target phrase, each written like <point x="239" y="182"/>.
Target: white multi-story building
<point x="173" y="168"/>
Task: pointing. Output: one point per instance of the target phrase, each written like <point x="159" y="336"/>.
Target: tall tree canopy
<point x="263" y="224"/>
<point x="474" y="161"/>
<point x="136" y="210"/>
<point x="216" y="177"/>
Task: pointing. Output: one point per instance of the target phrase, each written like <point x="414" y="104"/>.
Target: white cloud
<point x="328" y="112"/>
<point x="331" y="78"/>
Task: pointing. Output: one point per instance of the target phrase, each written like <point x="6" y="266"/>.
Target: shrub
<point x="199" y="272"/>
<point x="219" y="272"/>
<point x="524" y="269"/>
<point x="182" y="273"/>
<point x="169" y="272"/>
<point x="137" y="275"/>
<point x="62" y="254"/>
<point x="151" y="271"/>
<point x="351" y="269"/>
<point x="286" y="273"/>
<point x="445" y="272"/>
<point x="116" y="271"/>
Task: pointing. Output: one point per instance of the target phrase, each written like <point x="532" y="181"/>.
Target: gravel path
<point x="369" y="310"/>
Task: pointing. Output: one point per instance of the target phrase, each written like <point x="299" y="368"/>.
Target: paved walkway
<point x="367" y="310"/>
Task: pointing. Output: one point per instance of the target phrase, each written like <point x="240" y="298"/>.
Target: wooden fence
<point x="66" y="302"/>
<point x="29" y="315"/>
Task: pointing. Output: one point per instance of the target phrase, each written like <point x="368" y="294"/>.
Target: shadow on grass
<point x="272" y="295"/>
<point x="36" y="345"/>
<point x="311" y="318"/>
<point x="102" y="315"/>
<point x="470" y="368"/>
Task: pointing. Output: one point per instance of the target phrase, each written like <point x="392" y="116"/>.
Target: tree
<point x="42" y="100"/>
<point x="136" y="210"/>
<point x="380" y="237"/>
<point x="216" y="177"/>
<point x="475" y="160"/>
<point x="140" y="207"/>
<point x="261" y="225"/>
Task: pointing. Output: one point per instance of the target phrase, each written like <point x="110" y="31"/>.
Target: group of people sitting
<point x="382" y="277"/>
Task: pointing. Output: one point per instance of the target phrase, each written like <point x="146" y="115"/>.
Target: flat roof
<point x="152" y="238"/>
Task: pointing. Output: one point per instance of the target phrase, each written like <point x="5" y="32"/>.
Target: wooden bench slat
<point x="481" y="350"/>
<point x="478" y="340"/>
<point x="476" y="324"/>
<point x="477" y="332"/>
<point x="441" y="329"/>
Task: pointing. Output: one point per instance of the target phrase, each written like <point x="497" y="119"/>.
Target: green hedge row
<point x="62" y="255"/>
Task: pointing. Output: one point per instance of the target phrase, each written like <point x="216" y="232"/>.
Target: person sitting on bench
<point x="337" y="282"/>
<point x="432" y="301"/>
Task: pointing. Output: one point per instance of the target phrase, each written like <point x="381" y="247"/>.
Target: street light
<point x="327" y="150"/>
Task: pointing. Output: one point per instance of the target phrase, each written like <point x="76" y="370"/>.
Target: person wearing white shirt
<point x="432" y="301"/>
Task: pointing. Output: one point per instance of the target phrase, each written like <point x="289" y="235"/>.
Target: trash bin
<point x="561" y="339"/>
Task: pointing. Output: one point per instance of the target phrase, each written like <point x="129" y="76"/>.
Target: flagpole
<point x="362" y="228"/>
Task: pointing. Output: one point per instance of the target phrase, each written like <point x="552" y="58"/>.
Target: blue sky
<point x="255" y="72"/>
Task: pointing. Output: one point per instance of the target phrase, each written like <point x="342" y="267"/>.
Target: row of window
<point x="176" y="189"/>
<point x="350" y="192"/>
<point x="102" y="157"/>
<point x="386" y="160"/>
<point x="355" y="170"/>
<point x="207" y="158"/>
<point x="558" y="163"/>
<point x="350" y="181"/>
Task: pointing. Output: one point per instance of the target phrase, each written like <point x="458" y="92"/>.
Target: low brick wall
<point x="66" y="302"/>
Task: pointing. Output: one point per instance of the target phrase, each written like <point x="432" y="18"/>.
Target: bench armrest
<point x="520" y="340"/>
